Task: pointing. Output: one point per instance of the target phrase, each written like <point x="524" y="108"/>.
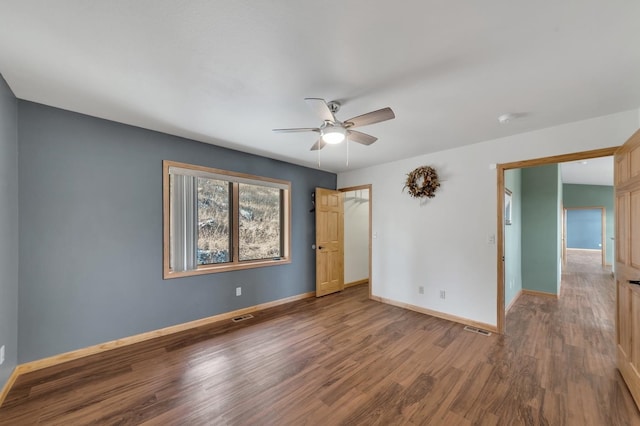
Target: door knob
<point x="320" y="248"/>
<point x="637" y="282"/>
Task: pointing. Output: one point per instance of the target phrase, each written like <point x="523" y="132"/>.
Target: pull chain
<point x="347" y="142"/>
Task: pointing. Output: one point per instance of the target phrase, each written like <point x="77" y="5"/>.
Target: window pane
<point x="213" y="221"/>
<point x="260" y="222"/>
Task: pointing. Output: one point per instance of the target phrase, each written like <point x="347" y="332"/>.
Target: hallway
<point x="571" y="344"/>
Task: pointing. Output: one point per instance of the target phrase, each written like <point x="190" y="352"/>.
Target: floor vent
<point x="242" y="318"/>
<point x="477" y="330"/>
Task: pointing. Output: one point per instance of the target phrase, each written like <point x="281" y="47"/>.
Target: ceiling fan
<point x="333" y="131"/>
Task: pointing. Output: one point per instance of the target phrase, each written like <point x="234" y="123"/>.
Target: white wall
<point x="513" y="238"/>
<point x="442" y="243"/>
<point x="356" y="235"/>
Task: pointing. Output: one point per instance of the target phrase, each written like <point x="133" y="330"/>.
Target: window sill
<point x="226" y="267"/>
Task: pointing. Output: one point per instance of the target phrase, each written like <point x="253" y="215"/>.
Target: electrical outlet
<point x="443" y="294"/>
<point x="421" y="290"/>
<point x="1" y="354"/>
<point x="238" y="291"/>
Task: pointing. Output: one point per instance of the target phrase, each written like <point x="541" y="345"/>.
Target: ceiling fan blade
<point x="299" y="129"/>
<point x="359" y="137"/>
<point x="318" y="145"/>
<point x="321" y="109"/>
<point x="383" y="114"/>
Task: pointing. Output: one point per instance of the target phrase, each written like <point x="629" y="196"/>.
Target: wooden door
<point x="329" y="241"/>
<point x="627" y="211"/>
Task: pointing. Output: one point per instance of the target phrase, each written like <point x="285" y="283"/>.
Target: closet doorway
<point x="357" y="236"/>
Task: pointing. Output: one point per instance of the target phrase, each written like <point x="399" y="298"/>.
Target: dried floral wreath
<point x="422" y="182"/>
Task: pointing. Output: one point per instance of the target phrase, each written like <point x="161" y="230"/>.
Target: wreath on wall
<point x="422" y="182"/>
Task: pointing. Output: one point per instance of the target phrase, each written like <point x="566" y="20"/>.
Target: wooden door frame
<point x="564" y="233"/>
<point x="603" y="233"/>
<point x="501" y="168"/>
<point x="370" y="188"/>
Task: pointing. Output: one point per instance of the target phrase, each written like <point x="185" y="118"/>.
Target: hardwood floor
<point x="344" y="359"/>
<point x="579" y="260"/>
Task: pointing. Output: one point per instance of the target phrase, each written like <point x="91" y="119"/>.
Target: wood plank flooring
<point x="581" y="260"/>
<point x="344" y="359"/>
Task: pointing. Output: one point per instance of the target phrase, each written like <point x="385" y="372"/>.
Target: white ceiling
<point x="227" y="72"/>
<point x="595" y="171"/>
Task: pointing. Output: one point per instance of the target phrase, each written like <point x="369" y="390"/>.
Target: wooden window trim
<point x="235" y="264"/>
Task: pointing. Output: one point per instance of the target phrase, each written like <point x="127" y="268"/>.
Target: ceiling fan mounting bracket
<point x="334" y="106"/>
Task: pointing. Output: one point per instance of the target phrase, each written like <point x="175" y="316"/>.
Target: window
<point x="216" y="221"/>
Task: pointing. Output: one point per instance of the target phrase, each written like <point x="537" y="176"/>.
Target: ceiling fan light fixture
<point x="334" y="135"/>
<point x="333" y="131"/>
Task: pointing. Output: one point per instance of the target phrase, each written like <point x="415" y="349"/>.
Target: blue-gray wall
<point x="8" y="229"/>
<point x="594" y="196"/>
<point x="91" y="233"/>
<point x="513" y="238"/>
<point x="584" y="229"/>
<point x="540" y="228"/>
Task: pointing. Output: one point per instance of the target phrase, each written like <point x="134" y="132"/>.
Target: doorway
<point x="501" y="168"/>
<point x="584" y="239"/>
<point x="357" y="236"/>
